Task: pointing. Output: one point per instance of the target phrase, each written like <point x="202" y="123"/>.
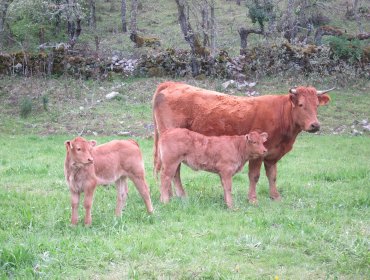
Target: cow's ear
<point x="264" y="136"/>
<point x="68" y="145"/>
<point x="293" y="99"/>
<point x="323" y="99"/>
<point x="93" y="143"/>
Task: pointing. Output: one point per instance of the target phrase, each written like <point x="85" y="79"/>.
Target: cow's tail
<point x="156" y="152"/>
<point x="156" y="157"/>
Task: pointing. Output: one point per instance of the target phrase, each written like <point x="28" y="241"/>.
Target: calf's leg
<point x="88" y="201"/>
<point x="271" y="172"/>
<point x="167" y="174"/>
<point x="75" y="199"/>
<point x="143" y="189"/>
<point x="180" y="192"/>
<point x="226" y="180"/>
<point x="122" y="190"/>
<point x="254" y="175"/>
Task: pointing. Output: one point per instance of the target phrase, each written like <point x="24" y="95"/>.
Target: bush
<point x="26" y="107"/>
<point x="345" y="49"/>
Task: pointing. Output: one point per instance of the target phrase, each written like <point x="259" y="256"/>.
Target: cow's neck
<point x="288" y="129"/>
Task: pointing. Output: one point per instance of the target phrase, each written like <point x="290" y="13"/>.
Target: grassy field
<point x="320" y="230"/>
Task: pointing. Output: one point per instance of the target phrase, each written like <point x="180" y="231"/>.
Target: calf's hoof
<point x="253" y="201"/>
<point x="164" y="199"/>
<point x="275" y="197"/>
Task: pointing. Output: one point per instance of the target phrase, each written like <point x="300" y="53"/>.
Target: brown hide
<point x="224" y="155"/>
<point x="212" y="113"/>
<point x="87" y="166"/>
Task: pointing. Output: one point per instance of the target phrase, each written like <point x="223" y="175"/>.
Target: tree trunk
<point x="3" y="11"/>
<point x="205" y="25"/>
<point x="290" y="28"/>
<point x="213" y="28"/>
<point x="133" y="21"/>
<point x="189" y="36"/>
<point x="92" y="16"/>
<point x="244" y="33"/>
<point x="357" y="16"/>
<point x="123" y="16"/>
<point x="334" y="31"/>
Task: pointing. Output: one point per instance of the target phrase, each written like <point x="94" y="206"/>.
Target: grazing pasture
<point x="320" y="230"/>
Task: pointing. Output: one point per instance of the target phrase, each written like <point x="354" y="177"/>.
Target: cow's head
<point x="79" y="150"/>
<point x="255" y="142"/>
<point x="305" y="101"/>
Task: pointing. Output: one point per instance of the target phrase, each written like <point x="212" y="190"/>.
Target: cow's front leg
<point x="254" y="175"/>
<point x="271" y="171"/>
<point x="75" y="199"/>
<point x="180" y="192"/>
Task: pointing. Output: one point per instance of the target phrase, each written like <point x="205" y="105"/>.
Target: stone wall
<point x="285" y="58"/>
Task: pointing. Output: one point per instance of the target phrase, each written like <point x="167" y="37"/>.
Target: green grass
<point x="320" y="230"/>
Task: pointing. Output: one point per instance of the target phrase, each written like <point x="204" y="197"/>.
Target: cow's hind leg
<point x="122" y="190"/>
<point x="180" y="192"/>
<point x="254" y="175"/>
<point x="271" y="171"/>
<point x="143" y="189"/>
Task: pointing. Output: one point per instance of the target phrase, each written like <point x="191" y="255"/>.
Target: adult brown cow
<point x="283" y="117"/>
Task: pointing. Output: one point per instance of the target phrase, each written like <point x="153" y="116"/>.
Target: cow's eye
<point x="300" y="105"/>
<point x="78" y="149"/>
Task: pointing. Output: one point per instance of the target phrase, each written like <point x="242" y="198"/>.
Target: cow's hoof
<point x="275" y="197"/>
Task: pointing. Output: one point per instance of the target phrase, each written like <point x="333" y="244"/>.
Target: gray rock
<point x="366" y="127"/>
<point x="355" y="132"/>
<point x="111" y="95"/>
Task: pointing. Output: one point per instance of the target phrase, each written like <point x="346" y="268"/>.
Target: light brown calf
<point x="87" y="165"/>
<point x="224" y="155"/>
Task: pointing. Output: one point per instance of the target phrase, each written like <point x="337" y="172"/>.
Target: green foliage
<point x="16" y="258"/>
<point x="346" y="49"/>
<point x="26" y="107"/>
<point x="259" y="11"/>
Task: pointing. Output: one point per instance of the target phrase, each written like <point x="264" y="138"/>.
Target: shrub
<point x="45" y="102"/>
<point x="345" y="49"/>
<point x="26" y="107"/>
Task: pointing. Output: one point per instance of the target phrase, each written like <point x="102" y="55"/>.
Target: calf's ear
<point x="323" y="99"/>
<point x="93" y="143"/>
<point x="264" y="136"/>
<point x="68" y="145"/>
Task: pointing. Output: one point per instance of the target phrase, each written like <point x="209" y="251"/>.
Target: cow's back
<point x="212" y="113"/>
<point x="117" y="158"/>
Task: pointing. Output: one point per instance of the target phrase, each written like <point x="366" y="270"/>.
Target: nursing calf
<point x="87" y="165"/>
<point x="224" y="155"/>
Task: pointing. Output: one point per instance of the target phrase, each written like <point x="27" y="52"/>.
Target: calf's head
<point x="255" y="145"/>
<point x="305" y="101"/>
<point x="79" y="150"/>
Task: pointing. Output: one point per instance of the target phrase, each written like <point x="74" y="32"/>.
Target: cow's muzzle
<point x="314" y="127"/>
